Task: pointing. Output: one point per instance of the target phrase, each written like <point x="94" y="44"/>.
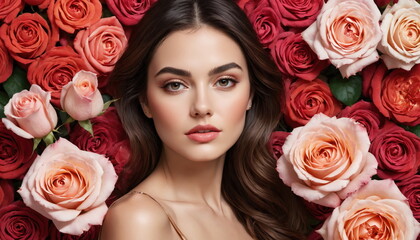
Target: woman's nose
<point x="201" y="103"/>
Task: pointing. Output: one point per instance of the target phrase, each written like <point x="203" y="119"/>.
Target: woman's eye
<point x="174" y="86"/>
<point x="225" y="82"/>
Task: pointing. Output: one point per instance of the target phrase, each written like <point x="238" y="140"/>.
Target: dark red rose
<point x="366" y="114"/>
<point x="297" y="14"/>
<point x="6" y="66"/>
<point x="295" y="58"/>
<point x="18" y="221"/>
<point x="383" y="3"/>
<point x="397" y="152"/>
<point x="276" y="142"/>
<point x="54" y="70"/>
<point x="6" y="192"/>
<point x="314" y="235"/>
<point x="16" y="155"/>
<point x="92" y="233"/>
<point x="318" y="211"/>
<point x="129" y="12"/>
<point x="410" y="187"/>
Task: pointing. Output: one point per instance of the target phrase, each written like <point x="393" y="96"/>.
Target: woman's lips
<point x="203" y="133"/>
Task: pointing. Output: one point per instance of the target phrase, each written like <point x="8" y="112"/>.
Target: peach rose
<point x="81" y="98"/>
<point x="6" y="68"/>
<point x="377" y="211"/>
<point x="30" y="114"/>
<point x="326" y="160"/>
<point x="69" y="186"/>
<point x="71" y="15"/>
<point x="400" y="42"/>
<point x="347" y="33"/>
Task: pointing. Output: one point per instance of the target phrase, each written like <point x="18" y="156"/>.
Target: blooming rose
<point x="400" y="42"/>
<point x="10" y="9"/>
<point x="129" y="12"/>
<point x="347" y="33"/>
<point x="374" y="70"/>
<point x="20" y="222"/>
<point x="42" y="4"/>
<point x="71" y="15"/>
<point x="326" y="160"/>
<point x="396" y="94"/>
<point x="55" y="69"/>
<point x="397" y="152"/>
<point x="6" y="192"/>
<point x="305" y="99"/>
<point x="295" y="58"/>
<point x="265" y="20"/>
<point x="410" y="188"/>
<point x="376" y="211"/>
<point x="101" y="45"/>
<point x="6" y="68"/>
<point x="16" y="155"/>
<point x="276" y="142"/>
<point x="30" y="113"/>
<point x="366" y="114"/>
<point x="81" y="98"/>
<point x="27" y="37"/>
<point x="69" y="186"/>
<point x="299" y="14"/>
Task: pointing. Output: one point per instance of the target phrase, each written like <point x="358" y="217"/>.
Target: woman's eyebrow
<point x="223" y="68"/>
<point x="185" y="73"/>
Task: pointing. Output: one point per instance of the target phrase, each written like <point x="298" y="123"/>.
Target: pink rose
<point x="295" y="58"/>
<point x="297" y="14"/>
<point x="305" y="99"/>
<point x="7" y="192"/>
<point x="129" y="12"/>
<point x="347" y="33"/>
<point x="101" y="45"/>
<point x="377" y="211"/>
<point x="276" y="142"/>
<point x="411" y="190"/>
<point x="400" y="42"/>
<point x="397" y="152"/>
<point x="6" y="68"/>
<point x="366" y="114"/>
<point x="30" y="113"/>
<point x="10" y="9"/>
<point x="326" y="160"/>
<point x="81" y="98"/>
<point x="69" y="186"/>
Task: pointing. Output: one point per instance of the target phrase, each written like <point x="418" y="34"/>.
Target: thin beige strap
<point x="171" y="220"/>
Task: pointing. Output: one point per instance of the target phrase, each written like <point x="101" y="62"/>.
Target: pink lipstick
<point x="203" y="133"/>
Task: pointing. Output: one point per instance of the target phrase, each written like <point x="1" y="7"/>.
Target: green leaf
<point x="4" y="99"/>
<point x="107" y="104"/>
<point x="36" y="143"/>
<point x="87" y="125"/>
<point x="414" y="129"/>
<point x="16" y="82"/>
<point x="49" y="139"/>
<point x="346" y="90"/>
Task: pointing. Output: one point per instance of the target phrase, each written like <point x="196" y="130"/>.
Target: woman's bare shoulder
<point x="136" y="216"/>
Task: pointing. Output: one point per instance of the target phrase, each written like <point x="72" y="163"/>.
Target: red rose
<point x="16" y="155"/>
<point x="265" y="20"/>
<point x="42" y="4"/>
<point x="297" y="14"/>
<point x="318" y="211"/>
<point x="92" y="233"/>
<point x="295" y="58"/>
<point x="366" y="114"/>
<point x="383" y="3"/>
<point x="368" y="73"/>
<point x="18" y="221"/>
<point x="397" y="152"/>
<point x="276" y="142"/>
<point x="27" y="37"/>
<point x="304" y="99"/>
<point x="71" y="15"/>
<point x="129" y="12"/>
<point x="54" y="70"/>
<point x="6" y="192"/>
<point x="6" y="68"/>
<point x="410" y="187"/>
<point x="397" y="95"/>
<point x="10" y="9"/>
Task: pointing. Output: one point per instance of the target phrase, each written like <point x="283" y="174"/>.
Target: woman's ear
<point x="146" y="109"/>
<point x="249" y="102"/>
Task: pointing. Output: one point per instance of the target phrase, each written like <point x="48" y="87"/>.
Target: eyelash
<point x="167" y="86"/>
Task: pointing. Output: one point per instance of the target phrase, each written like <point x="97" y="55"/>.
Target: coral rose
<point x="297" y="14"/>
<point x="411" y="190"/>
<point x="54" y="70"/>
<point x="6" y="68"/>
<point x="377" y="211"/>
<point x="397" y="152"/>
<point x="129" y="12"/>
<point x="10" y="9"/>
<point x="17" y="221"/>
<point x="400" y="42"/>
<point x="42" y="4"/>
<point x="7" y="192"/>
<point x="27" y="37"/>
<point x="16" y="155"/>
<point x="347" y="33"/>
<point x="305" y="99"/>
<point x="69" y="186"/>
<point x="81" y="98"/>
<point x="295" y="58"/>
<point x="30" y="113"/>
<point x="71" y="15"/>
<point x="326" y="160"/>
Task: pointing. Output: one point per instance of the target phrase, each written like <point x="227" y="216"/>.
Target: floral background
<point x="352" y="76"/>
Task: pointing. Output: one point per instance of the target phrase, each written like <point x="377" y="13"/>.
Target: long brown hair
<point x="250" y="184"/>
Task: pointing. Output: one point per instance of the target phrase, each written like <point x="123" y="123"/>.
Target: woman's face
<point x="198" y="91"/>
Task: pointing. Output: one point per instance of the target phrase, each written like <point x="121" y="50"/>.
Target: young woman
<point x="199" y="98"/>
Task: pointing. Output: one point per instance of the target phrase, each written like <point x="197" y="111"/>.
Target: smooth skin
<point x="196" y="77"/>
